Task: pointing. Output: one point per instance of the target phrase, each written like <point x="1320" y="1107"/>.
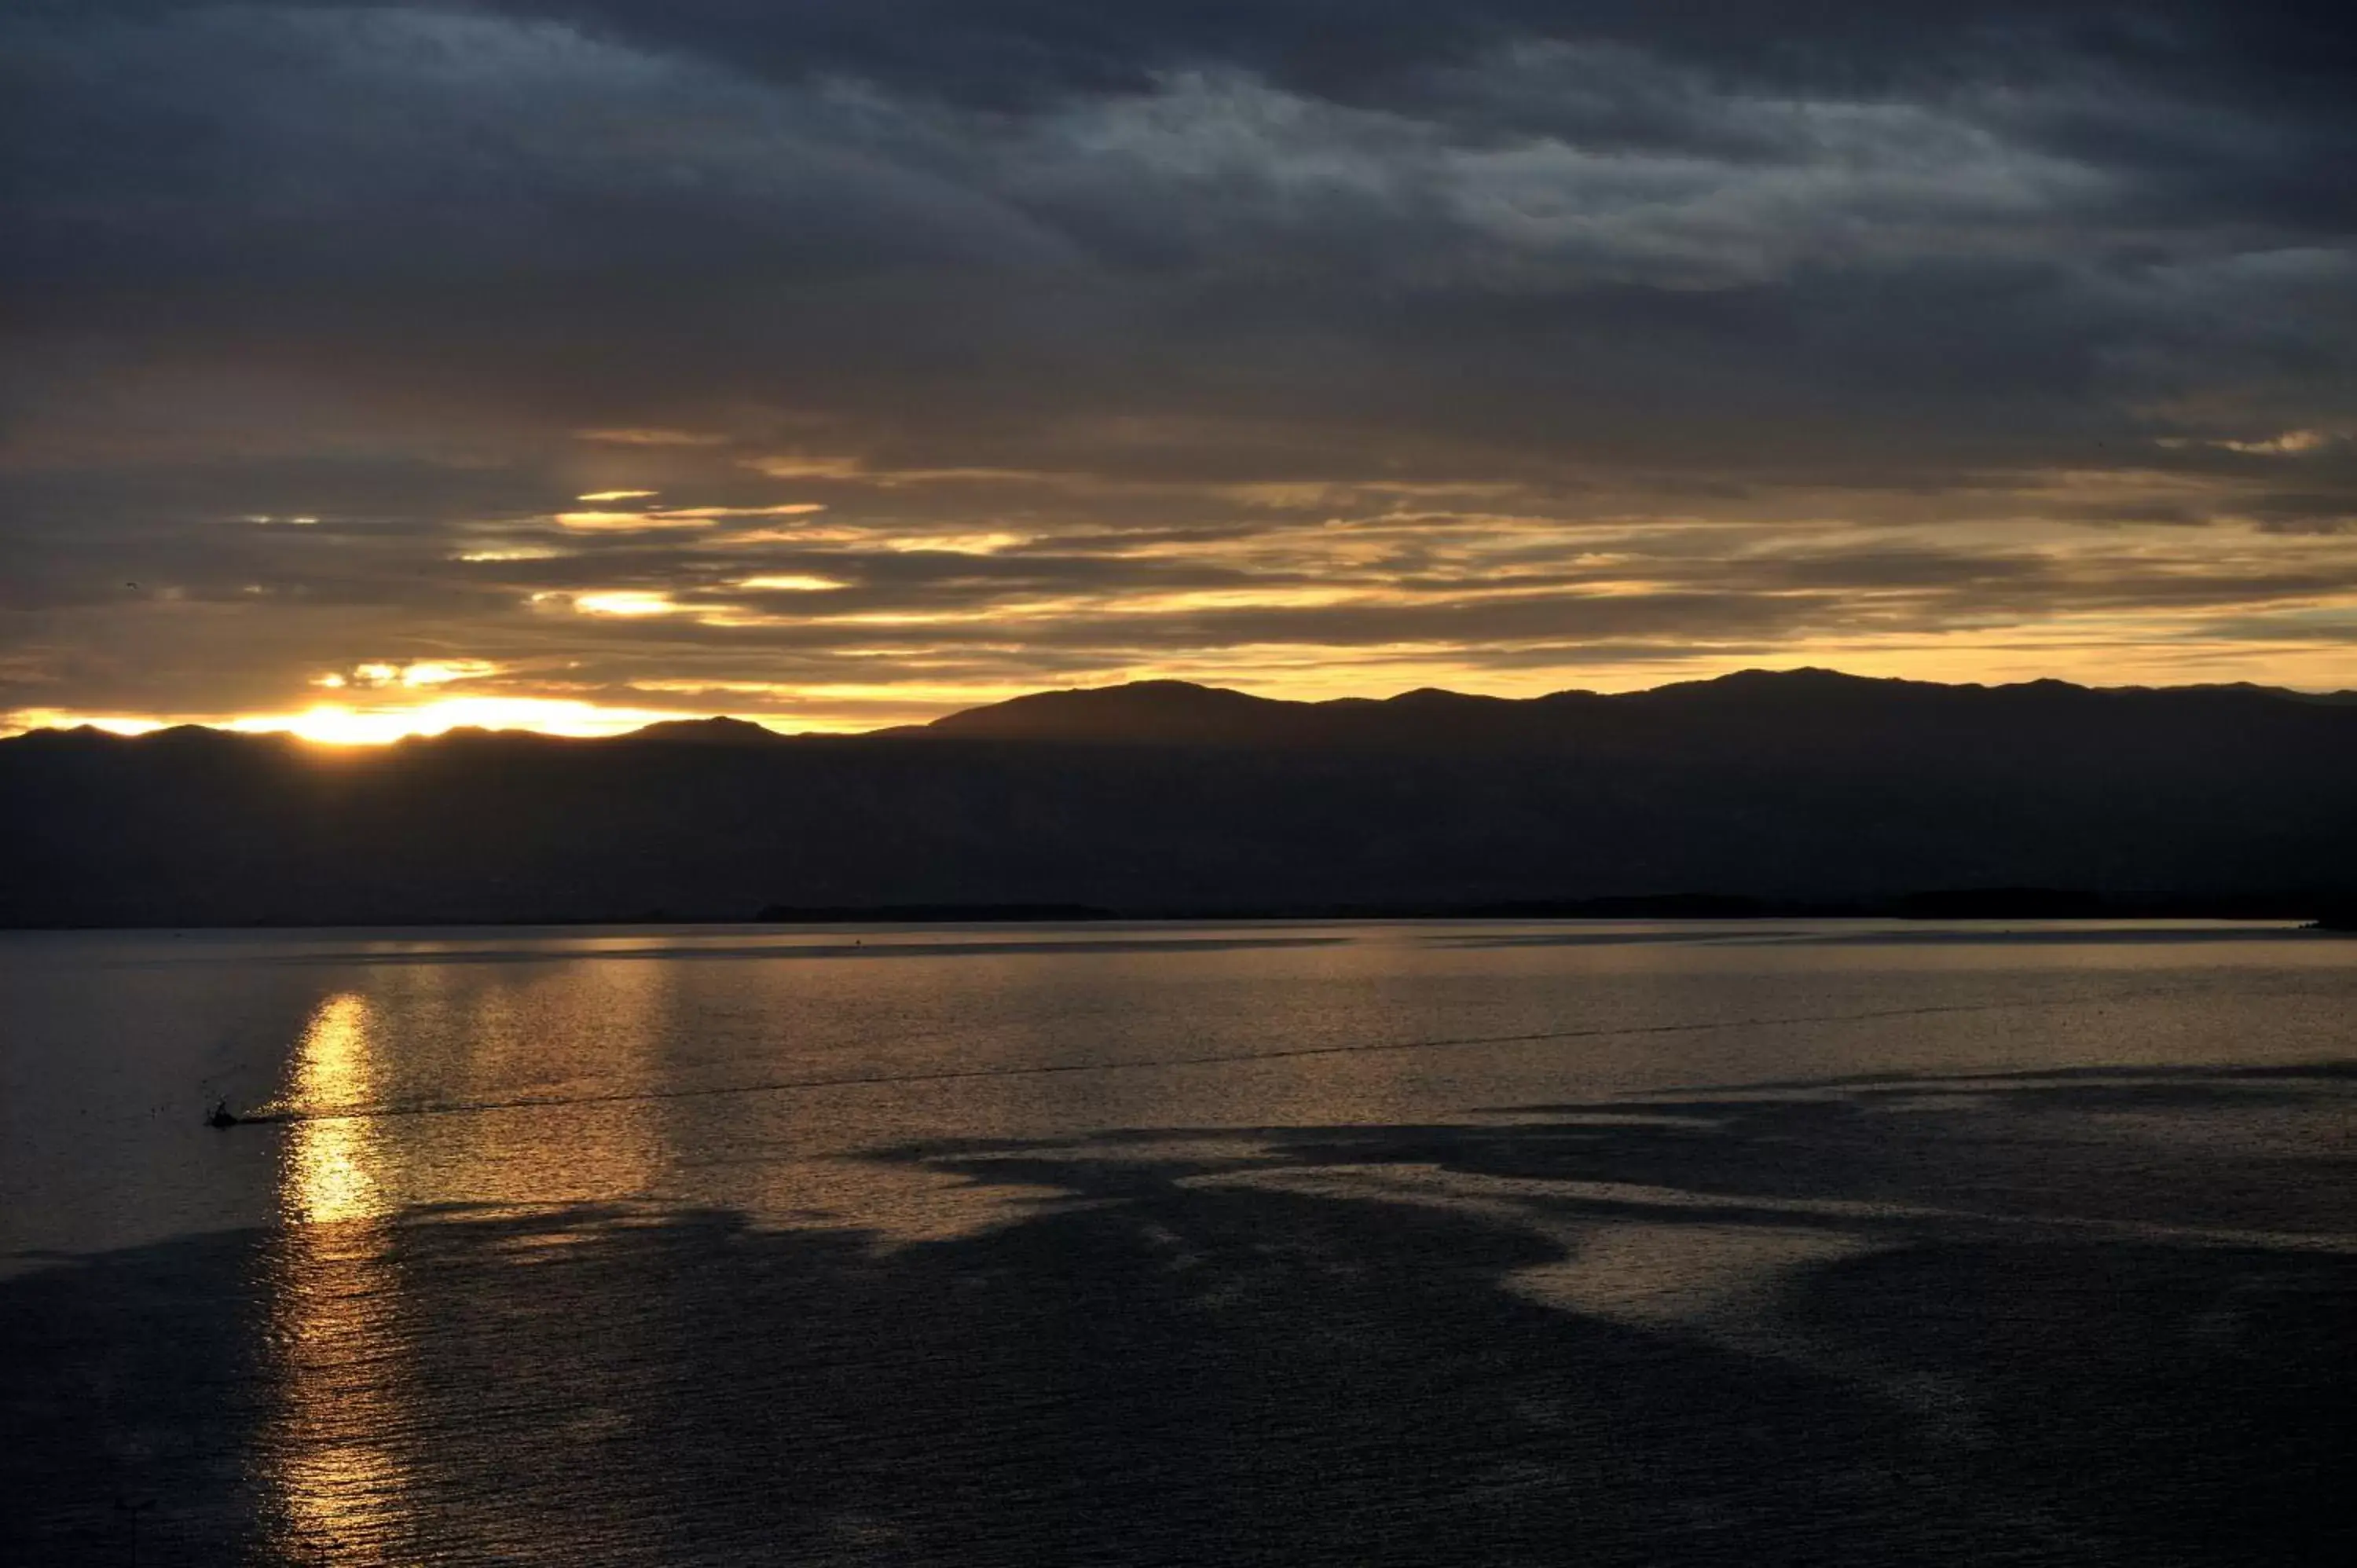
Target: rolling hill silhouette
<point x="1756" y="790"/>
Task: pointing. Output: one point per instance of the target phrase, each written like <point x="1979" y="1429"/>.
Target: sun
<point x="339" y="724"/>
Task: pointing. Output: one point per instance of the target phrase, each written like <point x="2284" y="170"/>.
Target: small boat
<point x="221" y="1115"/>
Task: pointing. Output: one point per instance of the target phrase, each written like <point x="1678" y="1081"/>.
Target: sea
<point x="1411" y="1243"/>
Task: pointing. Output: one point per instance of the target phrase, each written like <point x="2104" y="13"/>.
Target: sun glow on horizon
<point x="923" y="677"/>
<point x="335" y="724"/>
<point x="25" y="720"/>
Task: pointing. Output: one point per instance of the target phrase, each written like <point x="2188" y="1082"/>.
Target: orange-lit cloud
<point x="795" y="465"/>
<point x="790" y="581"/>
<point x="789" y="509"/>
<point x="654" y="437"/>
<point x="982" y="543"/>
<point x="624" y="602"/>
<point x="605" y="521"/>
<point x="800" y="465"/>
<point x="628" y="522"/>
<point x="414" y="672"/>
<point x="2289" y="444"/>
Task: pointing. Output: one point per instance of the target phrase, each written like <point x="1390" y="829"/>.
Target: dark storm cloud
<point x="1118" y="303"/>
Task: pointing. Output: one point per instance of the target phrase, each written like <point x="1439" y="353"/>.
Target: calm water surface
<point x="1414" y="1242"/>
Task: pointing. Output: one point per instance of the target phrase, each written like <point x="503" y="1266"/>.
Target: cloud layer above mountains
<point x="837" y="361"/>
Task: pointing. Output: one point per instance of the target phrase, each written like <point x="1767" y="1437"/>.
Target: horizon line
<point x="341" y="727"/>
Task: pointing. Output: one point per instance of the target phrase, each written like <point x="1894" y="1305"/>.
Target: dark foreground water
<point x="1412" y="1243"/>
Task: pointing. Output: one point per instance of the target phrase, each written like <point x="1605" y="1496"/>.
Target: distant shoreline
<point x="1969" y="904"/>
<point x="2018" y="904"/>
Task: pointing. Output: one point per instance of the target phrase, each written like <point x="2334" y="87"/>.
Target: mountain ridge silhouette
<point x="1761" y="789"/>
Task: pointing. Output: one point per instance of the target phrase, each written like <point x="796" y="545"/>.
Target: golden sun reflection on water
<point x="339" y="1365"/>
<point x="331" y="1169"/>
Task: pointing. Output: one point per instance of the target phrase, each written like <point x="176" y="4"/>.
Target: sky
<point x="570" y="364"/>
